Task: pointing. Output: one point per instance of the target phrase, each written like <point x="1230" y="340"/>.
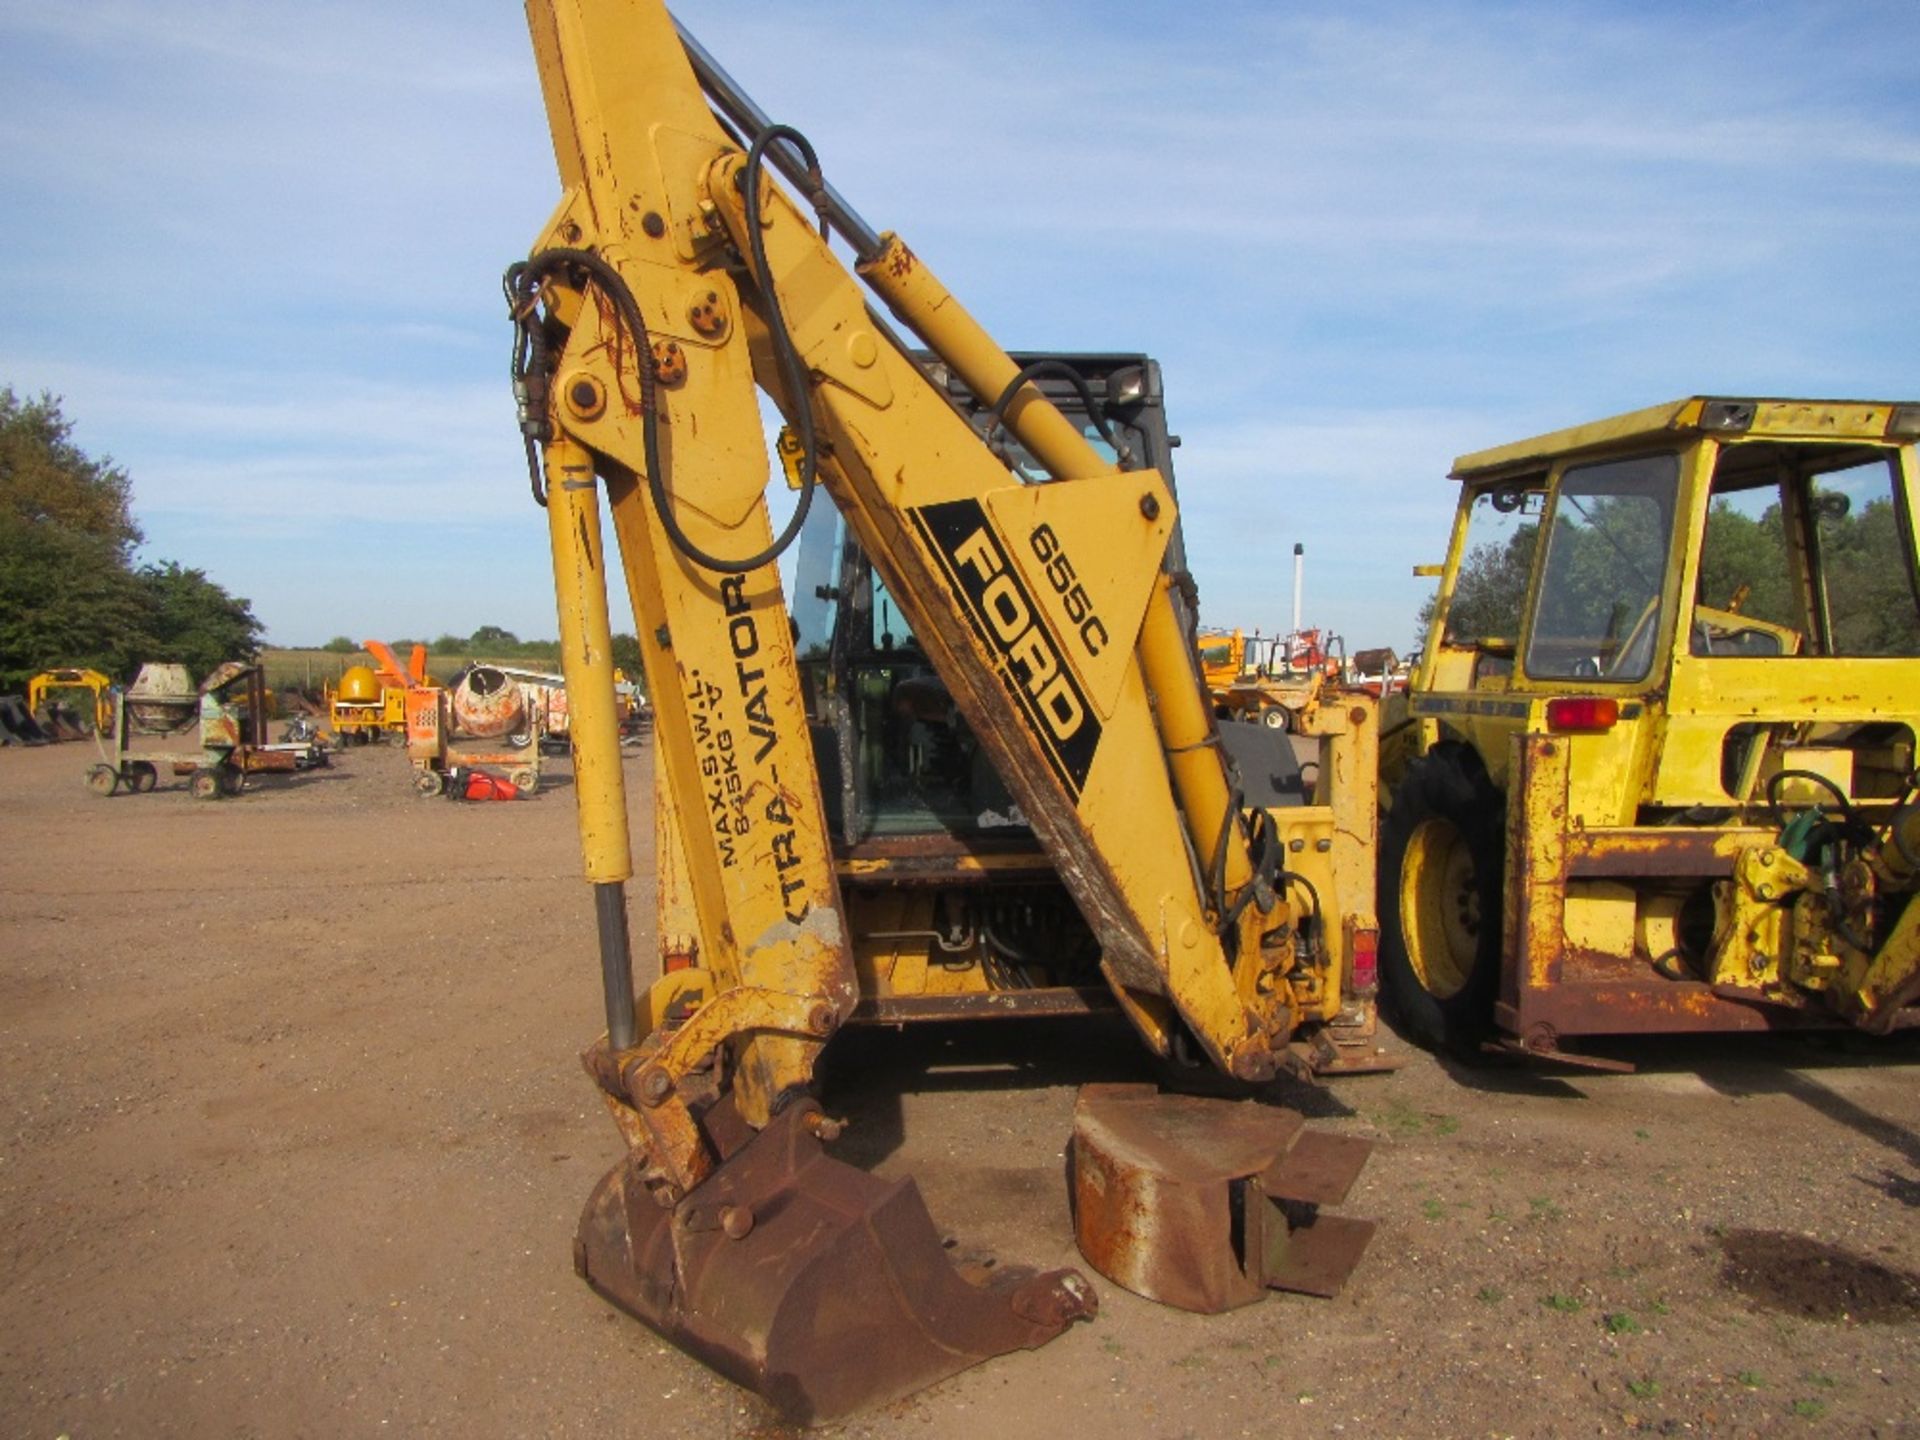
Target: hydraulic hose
<point x="529" y="356"/>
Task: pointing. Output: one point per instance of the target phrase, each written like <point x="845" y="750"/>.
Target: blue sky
<point x="257" y="249"/>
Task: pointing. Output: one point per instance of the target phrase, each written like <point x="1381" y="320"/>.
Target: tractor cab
<point x="1661" y="642"/>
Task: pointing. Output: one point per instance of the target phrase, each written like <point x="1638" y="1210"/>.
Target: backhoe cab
<point x="956" y="909"/>
<point x="1655" y="771"/>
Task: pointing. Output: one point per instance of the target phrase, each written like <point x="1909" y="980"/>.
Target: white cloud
<point x="257" y="246"/>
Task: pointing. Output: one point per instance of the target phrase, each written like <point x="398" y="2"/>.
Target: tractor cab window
<point x="1808" y="551"/>
<point x="1597" y="613"/>
<point x="1490" y="590"/>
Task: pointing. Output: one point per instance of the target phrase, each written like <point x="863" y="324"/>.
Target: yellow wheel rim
<point x="1440" y="907"/>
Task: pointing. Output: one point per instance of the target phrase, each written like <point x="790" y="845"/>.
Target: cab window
<point x="1503" y="530"/>
<point x="1847" y="506"/>
<point x="1597" y="613"/>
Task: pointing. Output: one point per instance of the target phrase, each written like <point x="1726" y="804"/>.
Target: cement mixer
<point x="162" y="699"/>
<point x="482" y="718"/>
<point x="489" y="704"/>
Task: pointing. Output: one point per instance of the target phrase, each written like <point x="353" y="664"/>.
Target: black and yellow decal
<point x="1032" y="664"/>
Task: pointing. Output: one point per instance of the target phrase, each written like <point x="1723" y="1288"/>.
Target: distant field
<point x="312" y="669"/>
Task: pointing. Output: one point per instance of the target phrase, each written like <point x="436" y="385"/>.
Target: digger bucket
<point x="816" y="1285"/>
<point x="1208" y="1204"/>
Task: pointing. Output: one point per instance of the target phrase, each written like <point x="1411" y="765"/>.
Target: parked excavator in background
<point x="984" y="780"/>
<point x="1655" y="770"/>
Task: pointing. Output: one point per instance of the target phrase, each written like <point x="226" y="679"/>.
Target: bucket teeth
<point x="818" y="1286"/>
<point x="1208" y="1204"/>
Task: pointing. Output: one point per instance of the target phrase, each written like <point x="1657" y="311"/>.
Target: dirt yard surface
<point x="293" y="1138"/>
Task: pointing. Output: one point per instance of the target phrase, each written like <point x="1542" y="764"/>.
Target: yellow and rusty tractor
<point x="1655" y="769"/>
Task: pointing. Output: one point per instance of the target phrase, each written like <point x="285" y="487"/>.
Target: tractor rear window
<point x="1854" y="560"/>
<point x="1597" y="614"/>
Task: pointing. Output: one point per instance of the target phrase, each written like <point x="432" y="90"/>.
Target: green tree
<point x="341" y="645"/>
<point x="1491" y="588"/>
<point x="627" y="657"/>
<point x="492" y="635"/>
<point x="66" y="598"/>
<point x="194" y="621"/>
<point x="69" y="592"/>
<point x="1740" y="551"/>
<point x="45" y="479"/>
<point x="1870" y="590"/>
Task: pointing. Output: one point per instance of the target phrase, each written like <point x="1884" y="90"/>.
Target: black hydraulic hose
<point x="996" y="412"/>
<point x="1294" y="877"/>
<point x="528" y="368"/>
<point x="522" y="283"/>
<point x="1851" y="825"/>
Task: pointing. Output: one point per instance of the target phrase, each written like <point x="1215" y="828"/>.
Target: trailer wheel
<point x="428" y="782"/>
<point x="1442" y="859"/>
<point x="205" y="785"/>
<point x="526" y="781"/>
<point x="102" y="779"/>
<point x="145" y="777"/>
<point x="1277" y="717"/>
<point x="232" y="781"/>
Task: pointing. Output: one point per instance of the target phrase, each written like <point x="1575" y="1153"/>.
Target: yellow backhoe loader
<point x="972" y="772"/>
<point x="1655" y="769"/>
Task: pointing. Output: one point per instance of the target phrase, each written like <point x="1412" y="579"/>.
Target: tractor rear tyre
<point x="1442" y="863"/>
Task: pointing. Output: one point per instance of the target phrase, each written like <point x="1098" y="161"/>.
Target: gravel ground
<point x="294" y="1138"/>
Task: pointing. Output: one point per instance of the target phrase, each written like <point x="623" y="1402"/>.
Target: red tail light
<point x="1583" y="712"/>
<point x="1363" y="965"/>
